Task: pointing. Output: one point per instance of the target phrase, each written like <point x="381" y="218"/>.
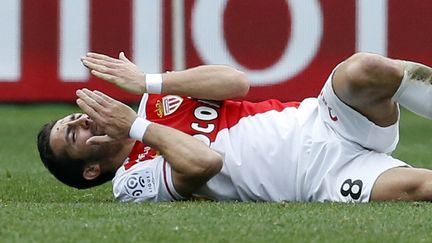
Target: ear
<point x="91" y="172"/>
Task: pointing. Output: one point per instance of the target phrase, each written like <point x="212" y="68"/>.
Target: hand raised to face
<point x="111" y="116"/>
<point x="121" y="72"/>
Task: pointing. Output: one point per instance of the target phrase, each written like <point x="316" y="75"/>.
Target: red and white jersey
<point x="259" y="143"/>
<point x="144" y="176"/>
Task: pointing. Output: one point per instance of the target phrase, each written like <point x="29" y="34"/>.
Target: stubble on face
<point x="61" y="147"/>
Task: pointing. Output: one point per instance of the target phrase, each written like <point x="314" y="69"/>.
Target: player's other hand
<point x="121" y="72"/>
<point x="111" y="116"/>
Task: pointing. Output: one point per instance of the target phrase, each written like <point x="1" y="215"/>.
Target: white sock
<point x="415" y="90"/>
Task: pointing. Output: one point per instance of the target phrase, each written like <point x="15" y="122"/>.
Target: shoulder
<point x="149" y="181"/>
<point x="137" y="183"/>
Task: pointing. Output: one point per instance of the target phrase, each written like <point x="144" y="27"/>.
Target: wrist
<point x="153" y="83"/>
<point x="138" y="128"/>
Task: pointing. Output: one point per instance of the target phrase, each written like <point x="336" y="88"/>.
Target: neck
<point x="123" y="153"/>
<point x="117" y="160"/>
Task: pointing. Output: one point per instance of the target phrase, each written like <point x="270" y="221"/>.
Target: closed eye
<point x="68" y="134"/>
<point x="73" y="136"/>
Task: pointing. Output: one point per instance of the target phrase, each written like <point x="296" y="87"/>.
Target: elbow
<point x="211" y="164"/>
<point x="241" y="83"/>
<point x="238" y="82"/>
<point x="216" y="164"/>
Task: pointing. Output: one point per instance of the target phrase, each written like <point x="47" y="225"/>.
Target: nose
<point x="83" y="121"/>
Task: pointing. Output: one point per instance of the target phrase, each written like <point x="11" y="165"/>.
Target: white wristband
<point x="153" y="83"/>
<point x="138" y="128"/>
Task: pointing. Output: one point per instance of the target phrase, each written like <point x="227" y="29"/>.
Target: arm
<point x="212" y="82"/>
<point x="193" y="163"/>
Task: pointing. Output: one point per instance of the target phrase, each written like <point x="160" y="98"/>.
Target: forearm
<point x="211" y="82"/>
<point x="193" y="162"/>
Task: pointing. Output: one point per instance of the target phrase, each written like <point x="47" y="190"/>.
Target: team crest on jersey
<point x="168" y="105"/>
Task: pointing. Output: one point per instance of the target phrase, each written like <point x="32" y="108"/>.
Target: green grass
<point x="34" y="207"/>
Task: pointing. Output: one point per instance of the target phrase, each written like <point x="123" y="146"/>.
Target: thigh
<point x="403" y="184"/>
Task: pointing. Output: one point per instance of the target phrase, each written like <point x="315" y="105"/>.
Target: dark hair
<point x="65" y="169"/>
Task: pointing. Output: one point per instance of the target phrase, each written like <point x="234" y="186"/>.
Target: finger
<point x="96" y="98"/>
<point x="88" y="110"/>
<point x="105" y="97"/>
<point x="102" y="57"/>
<point x="100" y="62"/>
<point x="97" y="140"/>
<point x="86" y="96"/>
<point x="123" y="57"/>
<point x="110" y="100"/>
<point x="107" y="77"/>
<point x="97" y="67"/>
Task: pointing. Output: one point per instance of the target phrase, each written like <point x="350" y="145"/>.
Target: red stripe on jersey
<point x="173" y="102"/>
<point x="166" y="180"/>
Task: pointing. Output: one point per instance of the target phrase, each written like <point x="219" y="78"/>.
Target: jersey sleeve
<point x="147" y="181"/>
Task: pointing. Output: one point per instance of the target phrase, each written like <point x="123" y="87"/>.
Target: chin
<point x="107" y="149"/>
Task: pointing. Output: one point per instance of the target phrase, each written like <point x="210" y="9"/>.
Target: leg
<point x="367" y="83"/>
<point x="403" y="184"/>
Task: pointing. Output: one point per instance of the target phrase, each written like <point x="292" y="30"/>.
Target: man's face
<point x="69" y="135"/>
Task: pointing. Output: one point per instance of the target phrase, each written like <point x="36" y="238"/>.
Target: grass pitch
<point x="34" y="207"/>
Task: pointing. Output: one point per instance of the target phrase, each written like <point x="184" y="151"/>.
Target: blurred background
<point x="288" y="47"/>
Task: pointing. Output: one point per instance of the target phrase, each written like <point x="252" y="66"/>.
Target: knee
<point x="401" y="183"/>
<point x="421" y="191"/>
<point x="366" y="71"/>
<point x="416" y="186"/>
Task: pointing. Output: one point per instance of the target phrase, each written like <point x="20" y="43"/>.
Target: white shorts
<point x="345" y="153"/>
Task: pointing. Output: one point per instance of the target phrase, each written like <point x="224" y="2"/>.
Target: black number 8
<point x="352" y="188"/>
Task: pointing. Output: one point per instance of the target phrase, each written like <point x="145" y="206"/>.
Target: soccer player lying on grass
<point x="332" y="148"/>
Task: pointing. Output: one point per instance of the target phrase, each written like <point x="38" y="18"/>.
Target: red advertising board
<point x="288" y="47"/>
